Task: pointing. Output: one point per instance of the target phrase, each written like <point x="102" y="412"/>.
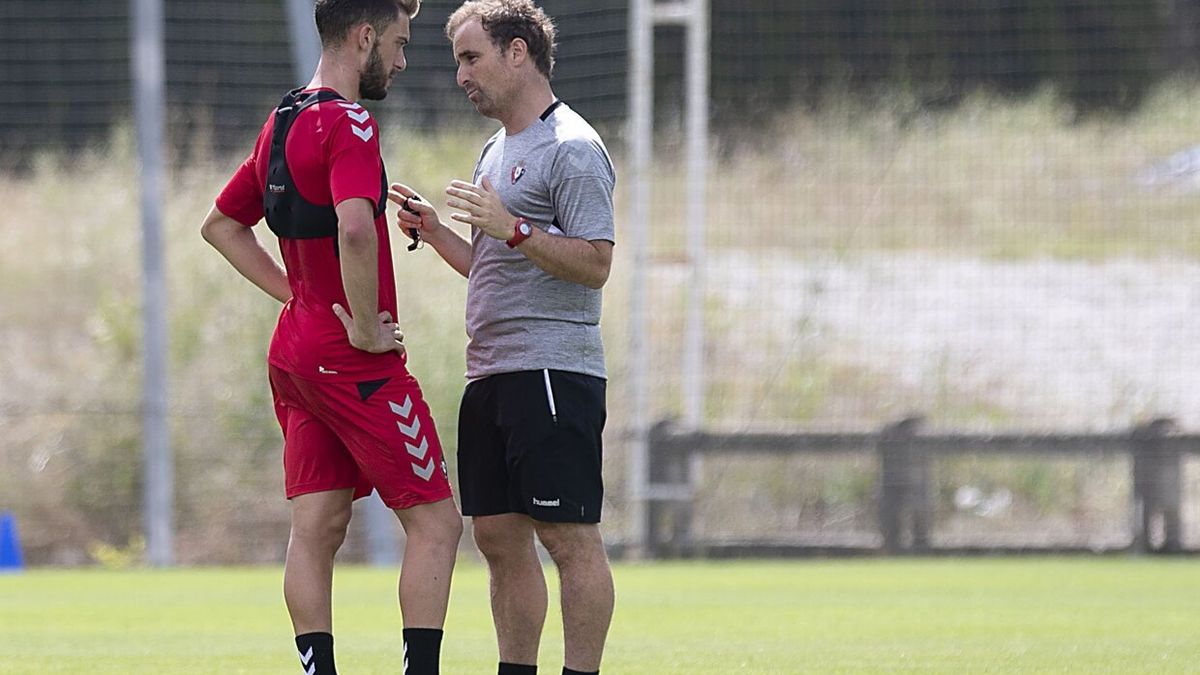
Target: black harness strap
<point x="289" y="215"/>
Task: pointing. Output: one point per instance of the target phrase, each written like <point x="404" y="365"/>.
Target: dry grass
<point x="992" y="179"/>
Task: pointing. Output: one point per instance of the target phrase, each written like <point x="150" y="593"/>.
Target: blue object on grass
<point x="10" y="546"/>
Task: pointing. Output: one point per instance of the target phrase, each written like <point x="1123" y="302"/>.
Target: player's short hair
<point x="335" y="18"/>
<point x="506" y="20"/>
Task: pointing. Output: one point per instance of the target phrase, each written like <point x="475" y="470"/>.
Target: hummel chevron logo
<point x="359" y="117"/>
<point x="425" y="472"/>
<point x="411" y="431"/>
<point x="418" y="451"/>
<point x="307" y="660"/>
<point x="364" y="134"/>
<point x="349" y="106"/>
<point x="402" y="410"/>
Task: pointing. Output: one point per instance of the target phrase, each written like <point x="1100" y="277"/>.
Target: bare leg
<point x="518" y="586"/>
<point x="587" y="590"/>
<point x="319" y="522"/>
<point x="433" y="531"/>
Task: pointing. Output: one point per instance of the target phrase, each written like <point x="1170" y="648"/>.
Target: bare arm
<point x="358" y="247"/>
<point x="576" y="260"/>
<point x="242" y="249"/>
<point x="450" y="245"/>
<point x="453" y="248"/>
<point x="367" y="329"/>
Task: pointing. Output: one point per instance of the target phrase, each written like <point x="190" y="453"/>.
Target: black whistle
<point x="412" y="231"/>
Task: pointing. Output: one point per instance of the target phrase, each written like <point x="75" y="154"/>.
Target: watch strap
<point x="518" y="235"/>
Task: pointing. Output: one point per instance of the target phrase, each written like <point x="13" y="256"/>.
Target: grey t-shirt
<point x="557" y="174"/>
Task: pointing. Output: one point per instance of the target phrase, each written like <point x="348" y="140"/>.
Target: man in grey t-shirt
<point x="540" y="209"/>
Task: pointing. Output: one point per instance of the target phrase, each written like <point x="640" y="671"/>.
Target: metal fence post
<point x="671" y="491"/>
<point x="652" y="545"/>
<point x="904" y="512"/>
<point x="641" y="137"/>
<point x="149" y="79"/>
<point x="1157" y="488"/>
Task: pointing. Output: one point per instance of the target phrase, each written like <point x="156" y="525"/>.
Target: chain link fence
<point x="975" y="212"/>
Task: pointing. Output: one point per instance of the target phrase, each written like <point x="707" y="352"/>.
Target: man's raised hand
<point x="415" y="212"/>
<point x="481" y="207"/>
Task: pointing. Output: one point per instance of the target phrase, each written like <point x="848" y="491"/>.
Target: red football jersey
<point x="333" y="155"/>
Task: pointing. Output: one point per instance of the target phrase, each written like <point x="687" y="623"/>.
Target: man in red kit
<point x="353" y="418"/>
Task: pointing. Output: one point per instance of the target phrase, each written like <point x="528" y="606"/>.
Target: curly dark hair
<point x="507" y="20"/>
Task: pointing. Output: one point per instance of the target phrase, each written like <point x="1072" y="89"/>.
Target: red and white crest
<point x="517" y="172"/>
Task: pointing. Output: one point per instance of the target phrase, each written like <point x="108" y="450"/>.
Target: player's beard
<point x="373" y="80"/>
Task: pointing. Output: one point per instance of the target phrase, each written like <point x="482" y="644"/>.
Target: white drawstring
<point x="550" y="396"/>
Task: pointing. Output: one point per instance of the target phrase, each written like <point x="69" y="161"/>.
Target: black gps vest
<point x="290" y="215"/>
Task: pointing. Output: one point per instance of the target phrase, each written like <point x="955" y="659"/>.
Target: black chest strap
<point x="290" y="215"/>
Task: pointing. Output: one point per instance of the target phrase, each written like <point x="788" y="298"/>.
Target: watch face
<point x="526" y="229"/>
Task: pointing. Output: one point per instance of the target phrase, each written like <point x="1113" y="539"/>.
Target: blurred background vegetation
<point x="980" y="213"/>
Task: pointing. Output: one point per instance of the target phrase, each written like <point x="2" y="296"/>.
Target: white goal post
<point x="644" y="15"/>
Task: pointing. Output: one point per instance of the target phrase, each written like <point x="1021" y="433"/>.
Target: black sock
<point x="316" y="653"/>
<point x="422" y="651"/>
<point x="568" y="671"/>
<point x="516" y="669"/>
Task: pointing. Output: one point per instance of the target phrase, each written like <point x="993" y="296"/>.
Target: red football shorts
<point x="377" y="434"/>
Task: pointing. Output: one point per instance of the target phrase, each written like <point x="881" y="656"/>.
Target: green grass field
<point x="1010" y="615"/>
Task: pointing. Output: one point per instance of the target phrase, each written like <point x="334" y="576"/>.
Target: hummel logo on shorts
<point x="545" y="502"/>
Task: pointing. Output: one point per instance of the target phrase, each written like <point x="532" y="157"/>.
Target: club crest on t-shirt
<point x="518" y="171"/>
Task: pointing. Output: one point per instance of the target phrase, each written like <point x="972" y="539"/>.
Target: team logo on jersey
<point x="518" y="171"/>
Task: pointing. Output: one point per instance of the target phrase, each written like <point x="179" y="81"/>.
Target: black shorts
<point x="530" y="442"/>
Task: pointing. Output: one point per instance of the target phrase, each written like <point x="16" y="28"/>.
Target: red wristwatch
<point x="521" y="233"/>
